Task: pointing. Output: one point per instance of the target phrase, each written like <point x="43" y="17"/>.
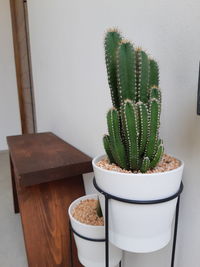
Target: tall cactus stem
<point x="155" y="93"/>
<point x="131" y="131"/>
<point x="158" y="156"/>
<point x="117" y="146"/>
<point x="112" y="40"/>
<point x="107" y="147"/>
<point x="159" y="142"/>
<point x="154" y="73"/>
<point x="126" y="71"/>
<point x="143" y="125"/>
<point x="143" y="71"/>
<point x="154" y="123"/>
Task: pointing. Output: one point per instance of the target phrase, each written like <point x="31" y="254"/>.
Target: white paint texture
<point x="9" y="108"/>
<point x="72" y="94"/>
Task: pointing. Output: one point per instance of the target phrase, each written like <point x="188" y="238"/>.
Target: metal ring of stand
<point x="83" y="237"/>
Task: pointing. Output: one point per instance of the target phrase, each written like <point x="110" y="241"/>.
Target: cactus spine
<point x="133" y="123"/>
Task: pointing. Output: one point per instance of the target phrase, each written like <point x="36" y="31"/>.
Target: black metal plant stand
<point x="139" y="202"/>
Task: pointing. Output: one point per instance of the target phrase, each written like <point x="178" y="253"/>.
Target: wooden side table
<point x="46" y="177"/>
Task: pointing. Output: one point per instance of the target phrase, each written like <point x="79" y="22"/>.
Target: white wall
<point x="72" y="95"/>
<point x="9" y="108"/>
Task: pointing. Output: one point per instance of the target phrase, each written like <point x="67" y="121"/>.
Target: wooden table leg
<point x="45" y="221"/>
<point x="15" y="197"/>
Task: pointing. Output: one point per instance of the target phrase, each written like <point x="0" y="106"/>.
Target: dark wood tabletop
<point x="44" y="157"/>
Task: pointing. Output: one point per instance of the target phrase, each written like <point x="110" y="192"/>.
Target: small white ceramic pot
<point x="90" y="253"/>
<point x="133" y="227"/>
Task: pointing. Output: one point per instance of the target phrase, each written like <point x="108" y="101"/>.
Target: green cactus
<point x="98" y="209"/>
<point x="116" y="144"/>
<point x="112" y="40"/>
<point x="131" y="131"/>
<point x="154" y="120"/>
<point x="126" y="71"/>
<point x="157" y="156"/>
<point x="107" y="147"/>
<point x="143" y="71"/>
<point x="143" y="122"/>
<point x="133" y="123"/>
<point x="145" y="164"/>
<point x="154" y="73"/>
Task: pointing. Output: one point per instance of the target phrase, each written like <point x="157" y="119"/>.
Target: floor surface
<point x="12" y="251"/>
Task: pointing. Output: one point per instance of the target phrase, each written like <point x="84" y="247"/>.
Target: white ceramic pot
<point x="139" y="228"/>
<point x="92" y="254"/>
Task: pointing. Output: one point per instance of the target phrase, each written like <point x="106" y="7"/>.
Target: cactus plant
<point x="133" y="141"/>
<point x="98" y="209"/>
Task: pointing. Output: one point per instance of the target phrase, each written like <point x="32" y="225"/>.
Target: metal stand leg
<point x="106" y="232"/>
<point x="175" y="232"/>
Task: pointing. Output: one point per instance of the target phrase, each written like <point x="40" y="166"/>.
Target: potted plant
<point x="136" y="167"/>
<point x="86" y="220"/>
